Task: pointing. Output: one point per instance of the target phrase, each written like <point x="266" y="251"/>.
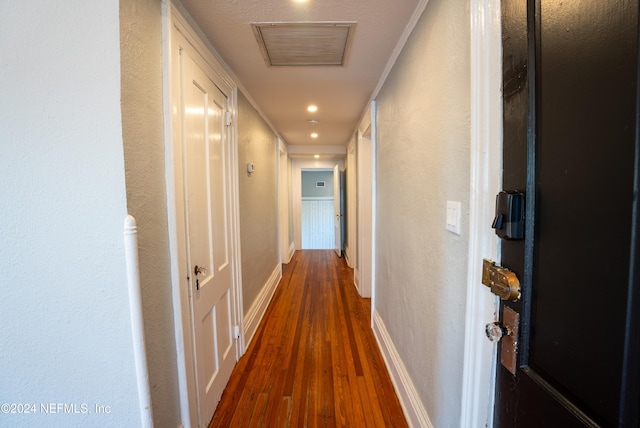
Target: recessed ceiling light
<point x="316" y="156"/>
<point x="314" y="135"/>
<point x="312" y="108"/>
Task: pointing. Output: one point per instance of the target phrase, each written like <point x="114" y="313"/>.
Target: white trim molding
<point x="318" y="198"/>
<point x="339" y="151"/>
<point x="137" y="320"/>
<point x="284" y="197"/>
<point x="486" y="176"/>
<point x="414" y="411"/>
<point x="259" y="308"/>
<point x="413" y="21"/>
<point x="292" y="250"/>
<point x="356" y="278"/>
<point x="347" y="257"/>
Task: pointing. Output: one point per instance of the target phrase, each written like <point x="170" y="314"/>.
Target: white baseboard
<point x="414" y="411"/>
<point x="347" y="258"/>
<point x="259" y="307"/>
<point x="292" y="250"/>
<point x="356" y="279"/>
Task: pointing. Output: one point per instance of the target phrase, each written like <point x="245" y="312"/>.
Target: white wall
<point x="351" y="212"/>
<point x="258" y="201"/>
<point x="363" y="272"/>
<point x="423" y="160"/>
<point x="65" y="335"/>
<point x="144" y="149"/>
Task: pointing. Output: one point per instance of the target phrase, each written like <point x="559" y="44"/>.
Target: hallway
<point x="427" y="132"/>
<point x="314" y="360"/>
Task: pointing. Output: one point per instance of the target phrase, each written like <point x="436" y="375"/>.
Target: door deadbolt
<point x="500" y="280"/>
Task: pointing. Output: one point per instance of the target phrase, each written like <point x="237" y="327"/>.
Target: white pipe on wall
<point x="137" y="324"/>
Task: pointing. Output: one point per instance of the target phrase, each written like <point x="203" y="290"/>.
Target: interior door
<point x="570" y="87"/>
<point x="337" y="214"/>
<point x="207" y="193"/>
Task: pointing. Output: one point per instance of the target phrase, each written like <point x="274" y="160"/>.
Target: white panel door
<point x="317" y="224"/>
<point x="208" y="233"/>
<point x="337" y="216"/>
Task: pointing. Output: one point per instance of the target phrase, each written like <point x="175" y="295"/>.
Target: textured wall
<point x="258" y="200"/>
<point x="423" y="161"/>
<point x="65" y="334"/>
<point x="142" y="131"/>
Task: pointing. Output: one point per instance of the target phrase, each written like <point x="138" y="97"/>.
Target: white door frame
<point x="177" y="30"/>
<point x="351" y="202"/>
<point x="337" y="214"/>
<point x="363" y="272"/>
<point x="296" y="189"/>
<point x="486" y="181"/>
<point x="283" y="201"/>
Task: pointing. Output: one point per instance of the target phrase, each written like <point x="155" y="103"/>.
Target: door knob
<point x="200" y="270"/>
<point x="495" y="331"/>
<point x="506" y="332"/>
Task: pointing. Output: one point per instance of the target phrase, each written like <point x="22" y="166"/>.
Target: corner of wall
<point x="292" y="250"/>
<point x="259" y="308"/>
<point x="414" y="410"/>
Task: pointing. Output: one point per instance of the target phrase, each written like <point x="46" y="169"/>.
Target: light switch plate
<point x="453" y="216"/>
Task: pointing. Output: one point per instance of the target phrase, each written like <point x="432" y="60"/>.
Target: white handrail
<point x="137" y="324"/>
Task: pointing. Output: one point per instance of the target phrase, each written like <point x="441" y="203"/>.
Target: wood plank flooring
<point x="313" y="361"/>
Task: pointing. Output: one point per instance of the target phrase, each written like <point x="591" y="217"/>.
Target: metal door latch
<point x="500" y="280"/>
<point x="199" y="270"/>
<point x="507" y="333"/>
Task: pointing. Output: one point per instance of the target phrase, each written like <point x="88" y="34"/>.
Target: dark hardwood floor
<point x="314" y="360"/>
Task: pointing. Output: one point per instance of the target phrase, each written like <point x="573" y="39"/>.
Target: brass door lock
<point x="500" y="280"/>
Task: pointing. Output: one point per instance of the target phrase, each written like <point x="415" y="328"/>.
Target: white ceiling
<point x="283" y="93"/>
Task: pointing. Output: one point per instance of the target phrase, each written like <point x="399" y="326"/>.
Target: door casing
<point x="337" y="212"/>
<point x="177" y="31"/>
<point x="283" y="201"/>
<point x="363" y="272"/>
<point x="297" y="165"/>
<point x="485" y="182"/>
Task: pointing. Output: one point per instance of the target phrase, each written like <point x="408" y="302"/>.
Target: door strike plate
<point x="500" y="280"/>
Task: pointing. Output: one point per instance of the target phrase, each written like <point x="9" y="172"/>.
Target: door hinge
<point x="236" y="331"/>
<point x="229" y="118"/>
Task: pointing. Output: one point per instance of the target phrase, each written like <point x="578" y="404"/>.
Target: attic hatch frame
<point x="287" y="44"/>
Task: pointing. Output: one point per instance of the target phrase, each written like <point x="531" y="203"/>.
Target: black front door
<point x="570" y="88"/>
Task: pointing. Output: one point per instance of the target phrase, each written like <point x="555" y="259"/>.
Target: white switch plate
<point x="453" y="216"/>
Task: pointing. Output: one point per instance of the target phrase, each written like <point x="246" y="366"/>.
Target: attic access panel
<point x="303" y="43"/>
